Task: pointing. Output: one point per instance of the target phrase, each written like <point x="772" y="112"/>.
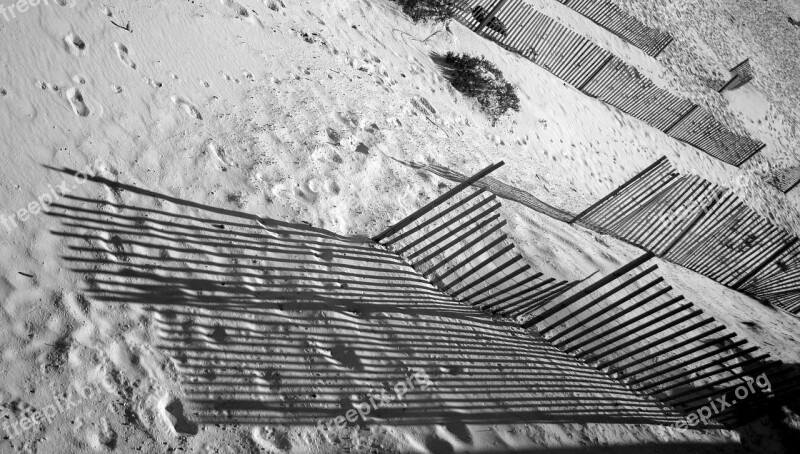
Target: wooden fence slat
<point x="439" y="200"/>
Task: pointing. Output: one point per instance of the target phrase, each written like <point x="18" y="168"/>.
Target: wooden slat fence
<point x="457" y="243"/>
<point x="700" y="129"/>
<point x="627" y="324"/>
<point x="568" y="55"/>
<point x="630" y="325"/>
<point x="518" y="27"/>
<point x="622" y="86"/>
<point x="703" y="227"/>
<point x="779" y="281"/>
<point x="611" y="17"/>
<point x="741" y="75"/>
<point x="786" y="179"/>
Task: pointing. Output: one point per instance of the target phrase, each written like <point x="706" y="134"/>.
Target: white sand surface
<point x="258" y="145"/>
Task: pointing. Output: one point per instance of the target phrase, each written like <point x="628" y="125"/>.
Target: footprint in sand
<point x="344" y="356"/>
<point x="242" y="12"/>
<point x="236" y="7"/>
<point x="271" y="439"/>
<point x="218" y="151"/>
<point x="334" y="137"/>
<point x="153" y="83"/>
<point x="74" y="44"/>
<point x="177" y="419"/>
<point x="122" y="53"/>
<point x="361" y="148"/>
<point x="274" y="5"/>
<point x="187" y="107"/>
<point x="104" y="437"/>
<point x="75" y="99"/>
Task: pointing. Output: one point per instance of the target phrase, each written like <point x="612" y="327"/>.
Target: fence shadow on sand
<point x="270" y="322"/>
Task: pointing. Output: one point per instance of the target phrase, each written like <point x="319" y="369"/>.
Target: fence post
<point x="792" y="186"/>
<point x="589" y="289"/>
<point x="763" y="145"/>
<point x="683" y="117"/>
<point x="663" y="47"/>
<point x="738" y="284"/>
<point x="594" y="74"/>
<point x="682" y="235"/>
<point x="490" y="16"/>
<point x="439" y="200"/>
<point x="620" y="188"/>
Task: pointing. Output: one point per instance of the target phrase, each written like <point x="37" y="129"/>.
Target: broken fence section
<point x="741" y="74"/>
<point x="611" y="17"/>
<point x="630" y="325"/>
<point x="703" y="227"/>
<point x="457" y="243"/>
<point x="786" y="179"/>
<point x="518" y="27"/>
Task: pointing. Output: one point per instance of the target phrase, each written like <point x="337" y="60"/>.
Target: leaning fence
<point x="630" y="325"/>
<point x="611" y="17"/>
<point x="627" y="324"/>
<point x="741" y="74"/>
<point x="518" y="27"/>
<point x="703" y="227"/>
<point x="456" y="242"/>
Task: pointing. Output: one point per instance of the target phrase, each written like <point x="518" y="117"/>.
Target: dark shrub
<point x="478" y="78"/>
<point x="428" y="10"/>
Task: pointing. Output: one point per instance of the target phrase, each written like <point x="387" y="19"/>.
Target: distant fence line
<point x="786" y="179"/>
<point x="741" y="75"/>
<point x="455" y="241"/>
<point x="629" y="325"/>
<point x="516" y="26"/>
<point x="703" y="227"/>
<point x="611" y="17"/>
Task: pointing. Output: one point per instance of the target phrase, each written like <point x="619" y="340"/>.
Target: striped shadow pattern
<point x="703" y="227"/>
<point x="456" y="242"/>
<point x="611" y="17"/>
<point x="630" y="325"/>
<point x="518" y="27"/>
<point x="779" y="281"/>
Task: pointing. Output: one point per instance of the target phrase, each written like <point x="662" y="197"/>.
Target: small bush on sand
<point x="428" y="10"/>
<point x="478" y="78"/>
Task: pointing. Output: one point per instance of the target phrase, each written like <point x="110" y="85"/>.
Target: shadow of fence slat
<point x="611" y="17"/>
<point x="267" y="322"/>
<point x="518" y="27"/>
<point x="456" y="242"/>
<point x="703" y="227"/>
<point x="629" y="325"/>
